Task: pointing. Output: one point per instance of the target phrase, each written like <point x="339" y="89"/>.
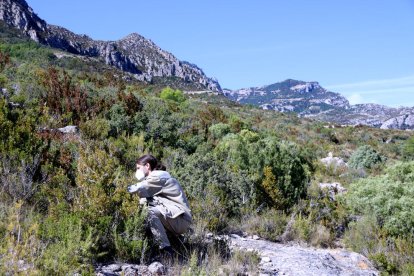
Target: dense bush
<point x="20" y="152"/>
<point x="20" y="244"/>
<point x="271" y="164"/>
<point x="161" y="123"/>
<point x="102" y="201"/>
<point x="269" y="224"/>
<point x="219" y="130"/>
<point x="365" y="157"/>
<point x="224" y="192"/>
<point x="389" y="198"/>
<point x="69" y="245"/>
<point x="173" y="95"/>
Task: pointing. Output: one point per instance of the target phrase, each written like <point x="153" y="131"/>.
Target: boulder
<point x="156" y="268"/>
<point x="333" y="189"/>
<point x="336" y="163"/>
<point x="69" y="130"/>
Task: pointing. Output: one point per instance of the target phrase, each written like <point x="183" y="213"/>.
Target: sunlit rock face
<point x="133" y="54"/>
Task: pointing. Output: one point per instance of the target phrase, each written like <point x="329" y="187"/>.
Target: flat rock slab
<point x="284" y="259"/>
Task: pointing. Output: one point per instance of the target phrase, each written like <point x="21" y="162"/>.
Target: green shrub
<point x="119" y="120"/>
<point x="302" y="228"/>
<point x="389" y="197"/>
<point x="389" y="254"/>
<point x="161" y="123"/>
<point x="365" y="157"/>
<point x="96" y="128"/>
<point x="20" y="246"/>
<point x="131" y="243"/>
<point x="3" y="81"/>
<point x="102" y="200"/>
<point x="219" y="130"/>
<point x="69" y="246"/>
<point x="213" y="211"/>
<point x="268" y="225"/>
<point x="272" y="189"/>
<point x="127" y="148"/>
<point x="173" y="95"/>
<point x="384" y="263"/>
<point x="204" y="176"/>
<point x="21" y="149"/>
<point x="408" y="149"/>
<point x="364" y="235"/>
<point x="288" y="168"/>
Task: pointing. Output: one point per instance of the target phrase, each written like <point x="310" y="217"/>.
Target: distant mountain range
<point x="134" y="53"/>
<point x="309" y="99"/>
<point x="147" y="62"/>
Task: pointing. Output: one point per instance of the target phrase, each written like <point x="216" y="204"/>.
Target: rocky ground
<point x="276" y="259"/>
<point x="293" y="259"/>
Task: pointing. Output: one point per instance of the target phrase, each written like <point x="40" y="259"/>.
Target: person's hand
<point x="132" y="188"/>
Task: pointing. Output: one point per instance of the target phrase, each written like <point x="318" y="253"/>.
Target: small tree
<point x="219" y="130"/>
<point x="365" y="157"/>
<point x="173" y="95"/>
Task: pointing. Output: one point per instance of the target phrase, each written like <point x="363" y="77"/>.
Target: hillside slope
<point x="133" y="53"/>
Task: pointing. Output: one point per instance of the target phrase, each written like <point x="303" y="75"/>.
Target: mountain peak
<point x="290" y="95"/>
<point x="133" y="36"/>
<point x="133" y="54"/>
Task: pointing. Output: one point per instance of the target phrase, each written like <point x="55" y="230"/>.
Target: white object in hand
<point x="133" y="188"/>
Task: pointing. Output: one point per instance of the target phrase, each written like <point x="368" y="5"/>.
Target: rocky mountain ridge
<point x="147" y="62"/>
<point x="133" y="54"/>
<point x="309" y="99"/>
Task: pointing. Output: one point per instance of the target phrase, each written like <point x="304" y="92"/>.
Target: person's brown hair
<point x="152" y="161"/>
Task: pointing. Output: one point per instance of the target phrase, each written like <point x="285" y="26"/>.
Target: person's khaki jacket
<point x="165" y="192"/>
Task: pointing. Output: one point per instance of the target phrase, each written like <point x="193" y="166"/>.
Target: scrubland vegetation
<point x="63" y="200"/>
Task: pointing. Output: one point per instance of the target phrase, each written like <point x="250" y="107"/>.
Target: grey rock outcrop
<point x="129" y="269"/>
<point x="332" y="189"/>
<point x="18" y="14"/>
<point x="156" y="268"/>
<point x="69" y="130"/>
<point x="399" y="122"/>
<point x="336" y="163"/>
<point x="282" y="259"/>
<point x="133" y="54"/>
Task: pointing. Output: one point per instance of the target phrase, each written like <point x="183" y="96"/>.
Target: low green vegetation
<point x="365" y="157"/>
<point x="64" y="204"/>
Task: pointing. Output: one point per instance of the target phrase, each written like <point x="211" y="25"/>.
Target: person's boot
<point x="167" y="255"/>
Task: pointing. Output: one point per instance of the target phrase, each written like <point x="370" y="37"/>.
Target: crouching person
<point x="168" y="208"/>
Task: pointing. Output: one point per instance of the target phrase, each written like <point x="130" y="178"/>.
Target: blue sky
<point x="363" y="49"/>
